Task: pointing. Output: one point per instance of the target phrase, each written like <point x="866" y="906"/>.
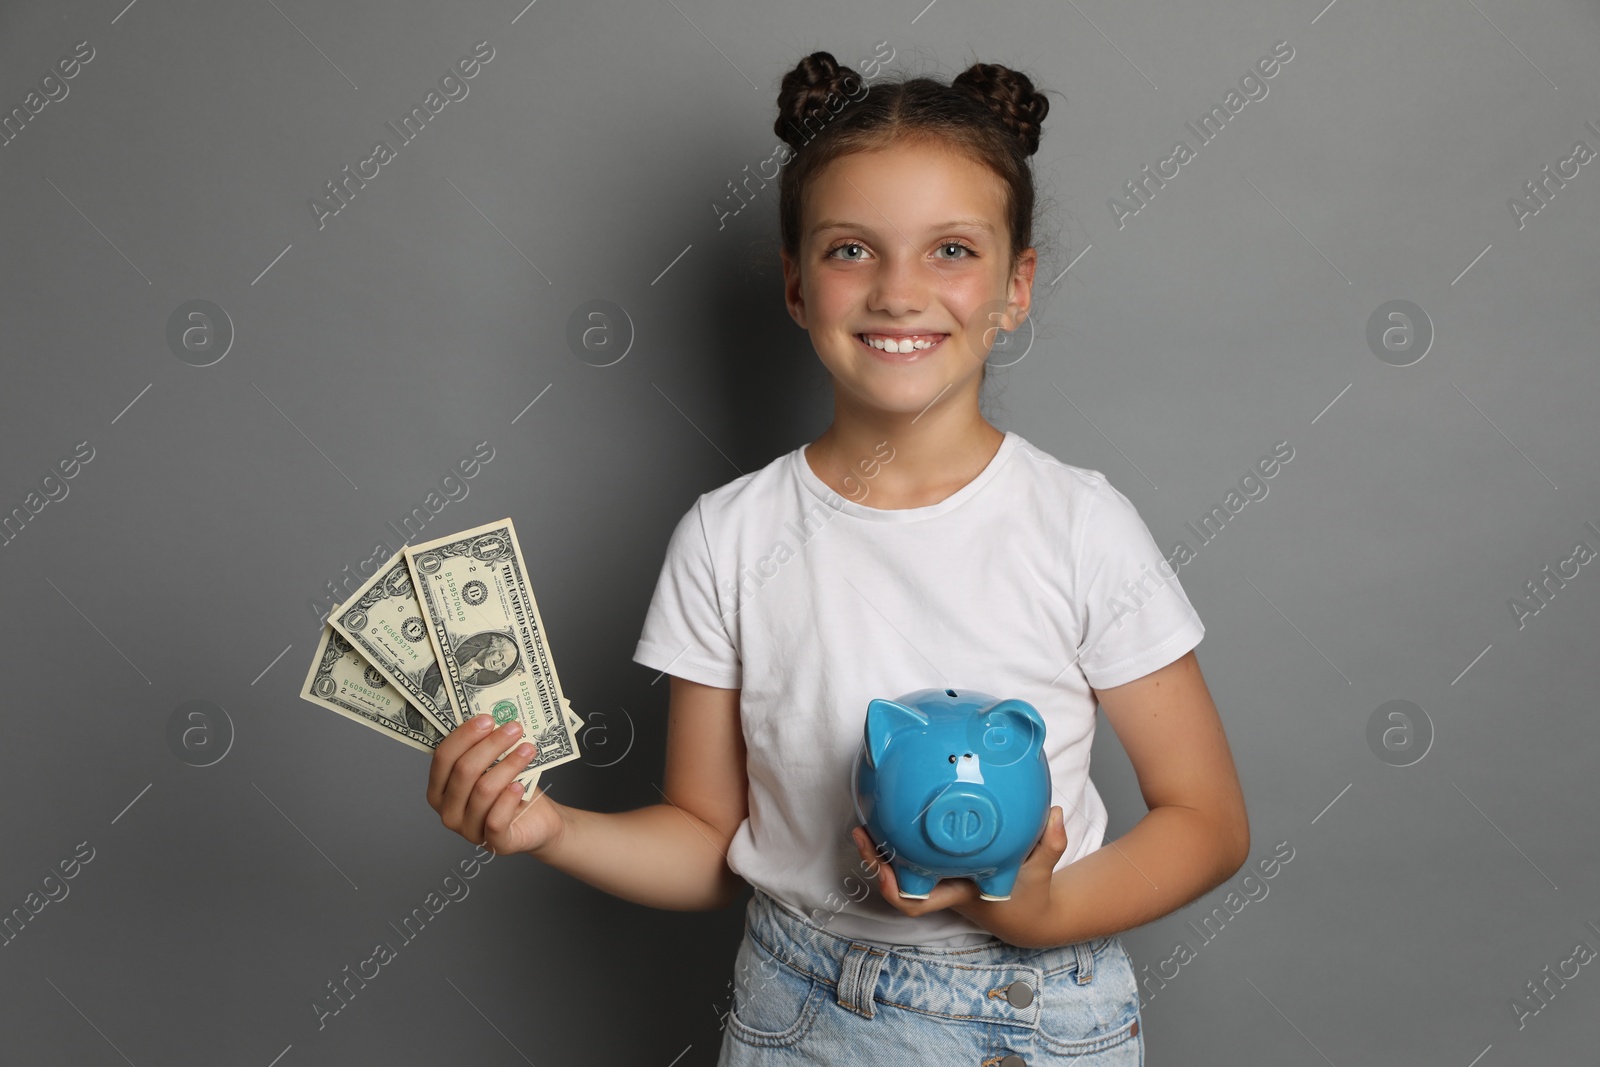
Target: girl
<point x="911" y="545"/>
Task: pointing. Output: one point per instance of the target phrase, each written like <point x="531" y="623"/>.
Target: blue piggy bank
<point x="956" y="784"/>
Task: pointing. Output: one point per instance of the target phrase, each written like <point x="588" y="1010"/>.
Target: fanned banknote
<point x="574" y="721"/>
<point x="493" y="652"/>
<point x="342" y="680"/>
<point x="384" y="622"/>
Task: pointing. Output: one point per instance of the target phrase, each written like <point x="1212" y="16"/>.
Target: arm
<point x="1196" y="833"/>
<point x="671" y="855"/>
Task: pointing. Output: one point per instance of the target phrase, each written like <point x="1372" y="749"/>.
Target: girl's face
<point x="910" y="242"/>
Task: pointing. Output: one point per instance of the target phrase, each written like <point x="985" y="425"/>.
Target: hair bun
<point x="1011" y="96"/>
<point x="805" y="92"/>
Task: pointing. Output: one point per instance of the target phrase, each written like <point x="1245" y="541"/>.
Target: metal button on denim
<point x="1013" y="1060"/>
<point x="1020" y="994"/>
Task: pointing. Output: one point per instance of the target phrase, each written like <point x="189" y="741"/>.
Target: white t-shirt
<point x="1035" y="580"/>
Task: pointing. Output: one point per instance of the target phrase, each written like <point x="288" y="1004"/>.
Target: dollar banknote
<point x="384" y="621"/>
<point x="494" y="654"/>
<point x="342" y="680"/>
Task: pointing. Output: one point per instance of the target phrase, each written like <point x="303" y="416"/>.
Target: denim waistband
<point x="973" y="982"/>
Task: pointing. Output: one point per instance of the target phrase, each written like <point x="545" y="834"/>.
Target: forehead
<point x="915" y="188"/>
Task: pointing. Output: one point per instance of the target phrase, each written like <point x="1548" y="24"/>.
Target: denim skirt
<point x="802" y="995"/>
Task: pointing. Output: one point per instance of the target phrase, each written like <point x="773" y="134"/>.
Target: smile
<point x="909" y="345"/>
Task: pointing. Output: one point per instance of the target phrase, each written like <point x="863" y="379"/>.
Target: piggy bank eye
<point x="952" y="757"/>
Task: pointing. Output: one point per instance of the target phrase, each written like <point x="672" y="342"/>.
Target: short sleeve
<point x="1134" y="615"/>
<point x="684" y="632"/>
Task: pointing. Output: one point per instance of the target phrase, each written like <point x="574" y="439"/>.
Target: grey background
<point x="1228" y="315"/>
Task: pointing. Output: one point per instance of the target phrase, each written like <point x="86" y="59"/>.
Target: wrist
<point x="547" y="850"/>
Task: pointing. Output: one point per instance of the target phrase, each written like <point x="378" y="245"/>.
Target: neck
<point x="934" y="452"/>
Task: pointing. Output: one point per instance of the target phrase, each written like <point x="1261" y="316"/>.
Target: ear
<point x="1021" y="294"/>
<point x="884" y="718"/>
<point x="1015" y="729"/>
<point x="792" y="295"/>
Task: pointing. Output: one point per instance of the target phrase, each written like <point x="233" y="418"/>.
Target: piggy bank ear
<point x="884" y="717"/>
<point x="1008" y="732"/>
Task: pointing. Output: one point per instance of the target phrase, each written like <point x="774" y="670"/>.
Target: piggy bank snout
<point x="962" y="820"/>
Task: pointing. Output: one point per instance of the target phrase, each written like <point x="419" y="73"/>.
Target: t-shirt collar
<point x="822" y="491"/>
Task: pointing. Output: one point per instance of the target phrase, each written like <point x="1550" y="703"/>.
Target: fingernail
<point x="513" y="728"/>
<point x="480" y="722"/>
<point x="524" y="751"/>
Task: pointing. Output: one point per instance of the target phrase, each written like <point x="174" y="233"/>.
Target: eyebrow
<point x="972" y="223"/>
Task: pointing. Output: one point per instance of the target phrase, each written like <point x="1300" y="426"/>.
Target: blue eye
<point x="847" y="244"/>
<point x="957" y="244"/>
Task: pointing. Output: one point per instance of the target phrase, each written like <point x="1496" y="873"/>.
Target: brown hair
<point x="988" y="112"/>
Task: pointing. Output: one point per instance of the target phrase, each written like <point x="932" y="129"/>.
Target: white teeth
<point x="904" y="345"/>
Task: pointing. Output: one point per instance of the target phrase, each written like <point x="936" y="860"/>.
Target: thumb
<point x="1052" y="842"/>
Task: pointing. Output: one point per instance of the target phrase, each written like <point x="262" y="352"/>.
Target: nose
<point x="962" y="820"/>
<point x="902" y="284"/>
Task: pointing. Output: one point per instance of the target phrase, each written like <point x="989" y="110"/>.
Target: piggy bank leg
<point x="997" y="886"/>
<point x="913" y="884"/>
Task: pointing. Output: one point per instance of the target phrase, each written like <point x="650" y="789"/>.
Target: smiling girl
<point x="787" y="602"/>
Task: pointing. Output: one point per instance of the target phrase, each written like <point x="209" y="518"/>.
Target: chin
<point x="903" y="397"/>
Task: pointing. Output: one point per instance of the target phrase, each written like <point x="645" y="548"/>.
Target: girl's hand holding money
<point x="482" y="802"/>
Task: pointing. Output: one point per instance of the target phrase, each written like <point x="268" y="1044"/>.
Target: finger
<point x="507" y="808"/>
<point x="495" y="784"/>
<point x="950" y="892"/>
<point x="872" y="857"/>
<point x="489" y="786"/>
<point x="876" y="867"/>
<point x="1052" y="842"/>
<point x="455" y="743"/>
<point x="872" y="852"/>
<point x="947" y="892"/>
<point x="470" y="767"/>
<point x="1057" y="835"/>
<point x="887" y="887"/>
